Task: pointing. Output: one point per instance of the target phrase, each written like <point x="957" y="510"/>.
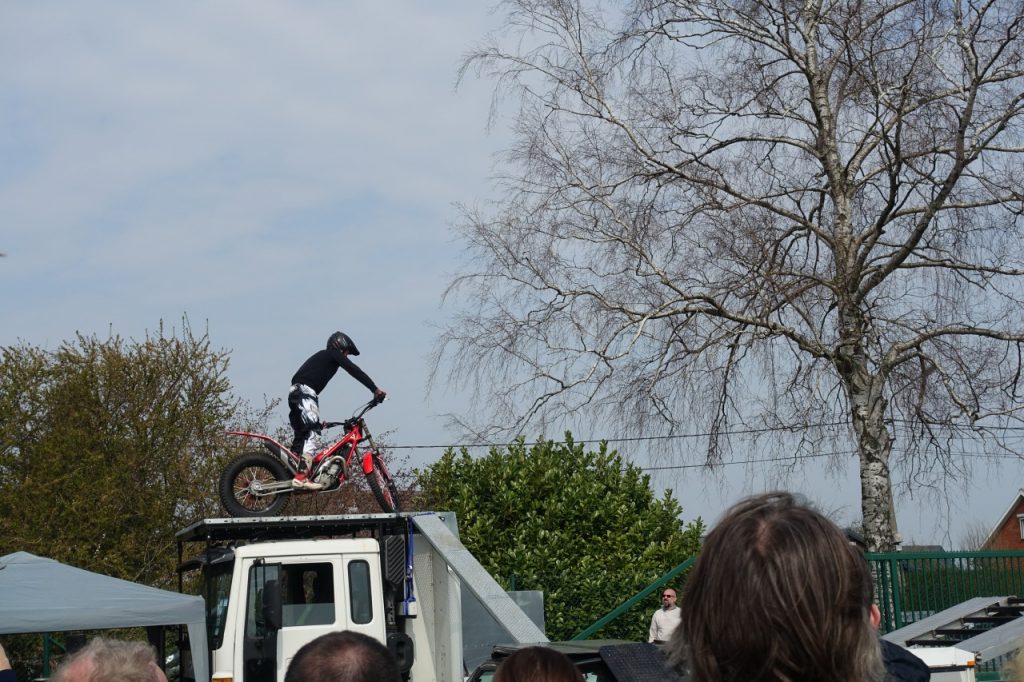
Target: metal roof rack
<point x="268" y="528"/>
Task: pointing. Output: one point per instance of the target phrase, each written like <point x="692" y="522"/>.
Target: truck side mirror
<point x="271" y="609"/>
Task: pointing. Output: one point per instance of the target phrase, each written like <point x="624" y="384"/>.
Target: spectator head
<point x="537" y="664"/>
<point x="778" y="593"/>
<point x="103" y="660"/>
<point x="344" y="656"/>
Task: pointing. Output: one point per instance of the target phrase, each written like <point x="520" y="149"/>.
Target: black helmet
<point x="343" y="343"/>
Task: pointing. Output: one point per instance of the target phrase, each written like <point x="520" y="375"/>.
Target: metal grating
<point x="988" y="627"/>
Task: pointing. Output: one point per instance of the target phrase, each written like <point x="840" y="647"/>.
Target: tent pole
<point x="46" y="654"/>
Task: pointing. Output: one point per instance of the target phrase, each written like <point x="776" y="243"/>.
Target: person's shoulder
<point x="313" y="356"/>
<point x="902" y="665"/>
<point x="324" y="355"/>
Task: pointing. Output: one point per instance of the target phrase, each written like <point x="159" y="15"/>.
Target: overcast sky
<point x="275" y="171"/>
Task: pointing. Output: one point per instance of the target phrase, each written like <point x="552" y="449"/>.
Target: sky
<point x="272" y="171"/>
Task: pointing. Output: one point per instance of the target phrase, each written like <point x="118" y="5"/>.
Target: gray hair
<point x="110" y="660"/>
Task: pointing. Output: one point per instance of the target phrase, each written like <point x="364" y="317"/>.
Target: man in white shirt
<point x="666" y="619"/>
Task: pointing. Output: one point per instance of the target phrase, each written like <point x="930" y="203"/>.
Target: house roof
<point x="1002" y="519"/>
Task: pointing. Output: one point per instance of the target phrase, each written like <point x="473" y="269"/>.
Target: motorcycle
<point x="259" y="483"/>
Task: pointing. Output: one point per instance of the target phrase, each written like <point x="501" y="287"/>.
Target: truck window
<point x="307" y="596"/>
<point x="259" y="576"/>
<point x="218" y="591"/>
<point x="359" y="595"/>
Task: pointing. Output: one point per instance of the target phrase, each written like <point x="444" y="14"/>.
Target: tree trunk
<point x="876" y="486"/>
<point x="865" y="391"/>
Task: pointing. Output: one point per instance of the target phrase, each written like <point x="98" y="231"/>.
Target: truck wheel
<point x="382" y="485"/>
<point x="243" y="486"/>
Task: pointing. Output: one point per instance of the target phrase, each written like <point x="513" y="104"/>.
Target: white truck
<point x="272" y="584"/>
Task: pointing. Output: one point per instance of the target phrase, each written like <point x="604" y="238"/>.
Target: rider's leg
<point x="304" y="417"/>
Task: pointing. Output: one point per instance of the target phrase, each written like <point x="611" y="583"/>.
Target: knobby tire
<point x="383" y="486"/>
<point x="236" y="485"/>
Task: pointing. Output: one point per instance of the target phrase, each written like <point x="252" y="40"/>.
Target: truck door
<point x="326" y="594"/>
<point x="262" y="616"/>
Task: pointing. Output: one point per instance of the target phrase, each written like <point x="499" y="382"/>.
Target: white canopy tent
<point x="43" y="595"/>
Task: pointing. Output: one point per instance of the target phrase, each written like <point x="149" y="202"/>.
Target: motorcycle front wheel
<point x="249" y="486"/>
<point x="382" y="485"/>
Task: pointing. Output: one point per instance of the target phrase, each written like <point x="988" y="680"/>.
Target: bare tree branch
<point x="754" y="212"/>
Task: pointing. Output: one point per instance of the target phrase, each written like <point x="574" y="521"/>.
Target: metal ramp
<point x="988" y="627"/>
<point x="477" y="580"/>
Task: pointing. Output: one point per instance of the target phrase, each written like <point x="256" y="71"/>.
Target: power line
<point x="681" y="436"/>
<point x="794" y="459"/>
<point x="790" y="458"/>
<point x="764" y="460"/>
<point x="635" y="439"/>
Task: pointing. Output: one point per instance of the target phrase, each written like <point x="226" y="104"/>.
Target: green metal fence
<point x="908" y="585"/>
<point x="912" y="585"/>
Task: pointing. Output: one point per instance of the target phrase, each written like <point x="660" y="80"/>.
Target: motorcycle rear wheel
<point x="242" y="482"/>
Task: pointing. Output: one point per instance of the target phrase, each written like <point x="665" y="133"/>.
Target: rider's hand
<point x="379" y="395"/>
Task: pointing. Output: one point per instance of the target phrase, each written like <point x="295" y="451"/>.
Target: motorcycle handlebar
<point x="366" y="408"/>
<point x="369" y="406"/>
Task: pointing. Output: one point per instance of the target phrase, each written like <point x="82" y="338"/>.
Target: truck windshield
<point x="216" y="590"/>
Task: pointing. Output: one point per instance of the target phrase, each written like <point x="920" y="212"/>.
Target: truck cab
<point x="273" y="584"/>
<point x="281" y="595"/>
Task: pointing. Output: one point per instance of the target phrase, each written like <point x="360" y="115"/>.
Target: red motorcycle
<point x="259" y="483"/>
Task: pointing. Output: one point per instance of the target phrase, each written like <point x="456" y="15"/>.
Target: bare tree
<point x="755" y="213"/>
<point x="974" y="535"/>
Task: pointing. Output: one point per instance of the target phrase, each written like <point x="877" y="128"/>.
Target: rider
<point x="303" y="398"/>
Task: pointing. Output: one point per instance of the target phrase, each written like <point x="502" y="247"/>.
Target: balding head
<point x="345" y="656"/>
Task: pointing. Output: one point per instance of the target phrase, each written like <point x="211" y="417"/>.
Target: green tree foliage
<point x="107" y="447"/>
<point x="583" y="527"/>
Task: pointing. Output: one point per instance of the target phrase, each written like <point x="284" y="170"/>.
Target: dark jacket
<point x="321" y="367"/>
<point x="902" y="665"/>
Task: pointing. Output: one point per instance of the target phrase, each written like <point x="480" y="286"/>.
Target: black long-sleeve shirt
<point x="323" y="365"/>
